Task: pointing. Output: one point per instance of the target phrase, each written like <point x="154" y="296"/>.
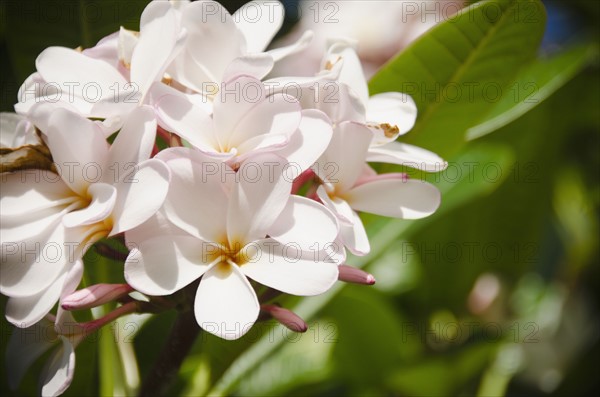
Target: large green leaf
<point x="459" y="70"/>
<point x="533" y="85"/>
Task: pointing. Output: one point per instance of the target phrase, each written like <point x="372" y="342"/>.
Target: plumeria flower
<point x="220" y="45"/>
<point x="49" y="219"/>
<point x="349" y="185"/>
<point x="231" y="226"/>
<point x="98" y="83"/>
<point x="389" y="115"/>
<point x="247" y="121"/>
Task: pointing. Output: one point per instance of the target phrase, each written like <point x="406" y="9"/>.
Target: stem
<point x="179" y="343"/>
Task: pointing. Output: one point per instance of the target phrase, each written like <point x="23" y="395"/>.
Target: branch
<point x="178" y="345"/>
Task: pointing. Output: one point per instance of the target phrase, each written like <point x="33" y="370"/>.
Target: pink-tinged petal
<point x="25" y="192"/>
<point x="393" y="108"/>
<point x="134" y="142"/>
<point x="31" y="266"/>
<point x="165" y="264"/>
<point x="58" y="373"/>
<point x="62" y="65"/>
<point x="185" y="70"/>
<point x="343" y="161"/>
<point x="407" y="155"/>
<point x="339" y="207"/>
<point x="305" y="223"/>
<point x="288" y="269"/>
<point x="190" y="122"/>
<point x="78" y="148"/>
<point x="259" y="21"/>
<point x="39" y="114"/>
<point x="278" y="115"/>
<point x="107" y="50"/>
<point x="225" y="304"/>
<point x="140" y="194"/>
<point x="294" y="48"/>
<point x="72" y="281"/>
<point x="309" y="141"/>
<point x="213" y="39"/>
<point x="354" y="275"/>
<point x="127" y="42"/>
<point x="103" y="198"/>
<point x="286" y="317"/>
<point x="258" y="198"/>
<point x="24" y="347"/>
<point x="198" y="195"/>
<point x="354" y="236"/>
<point x="259" y="144"/>
<point x="158" y="35"/>
<point x="26" y="311"/>
<point x="405" y="199"/>
<point x="352" y="73"/>
<point x="236" y="100"/>
<point x="255" y="65"/>
<point x="336" y="100"/>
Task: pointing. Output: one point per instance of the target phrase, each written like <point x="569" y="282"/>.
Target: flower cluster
<point x="221" y="177"/>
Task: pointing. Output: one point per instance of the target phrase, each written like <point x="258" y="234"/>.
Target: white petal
<point x="103" y="201"/>
<point x="26" y="311"/>
<point x="393" y="108"/>
<point x="309" y="141"/>
<point x="134" y="142"/>
<point x="8" y="128"/>
<point x="198" y="196"/>
<point x="294" y="48"/>
<point x="259" y="21"/>
<point x="257" y="199"/>
<point x="411" y="199"/>
<point x="190" y="122"/>
<point x="343" y="161"/>
<point x="286" y="268"/>
<point x="213" y="39"/>
<point x="25" y="192"/>
<point x="336" y="205"/>
<point x="158" y="35"/>
<point x="31" y="266"/>
<point x="24" y="347"/>
<point x="352" y="73"/>
<point x="355" y="237"/>
<point x="277" y="115"/>
<point x="140" y="194"/>
<point x="127" y="42"/>
<point x="407" y="155"/>
<point x="225" y="304"/>
<point x="60" y="65"/>
<point x="78" y="147"/>
<point x="306" y="223"/>
<point x="58" y="373"/>
<point x="255" y="65"/>
<point x="165" y="264"/>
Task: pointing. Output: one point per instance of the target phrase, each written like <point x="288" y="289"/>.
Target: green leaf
<point x="459" y="70"/>
<point x="533" y="85"/>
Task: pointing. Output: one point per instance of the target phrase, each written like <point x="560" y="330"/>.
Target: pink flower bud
<point x="351" y="274"/>
<point x="286" y="317"/>
<point x="94" y="295"/>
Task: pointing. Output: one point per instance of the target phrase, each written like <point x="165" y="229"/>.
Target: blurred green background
<point x="495" y="294"/>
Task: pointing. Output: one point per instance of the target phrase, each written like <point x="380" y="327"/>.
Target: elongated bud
<point x="286" y="317"/>
<point x="351" y="274"/>
<point x="94" y="295"/>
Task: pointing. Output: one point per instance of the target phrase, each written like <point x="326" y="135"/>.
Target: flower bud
<point x="351" y="274"/>
<point x="94" y="295"/>
<point x="286" y="317"/>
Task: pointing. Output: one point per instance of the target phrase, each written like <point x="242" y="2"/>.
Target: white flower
<point x="230" y="226"/>
<point x="220" y="45"/>
<point x="95" y="83"/>
<point x="246" y="121"/>
<point x="350" y="186"/>
<point x="16" y="130"/>
<point x="48" y="220"/>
